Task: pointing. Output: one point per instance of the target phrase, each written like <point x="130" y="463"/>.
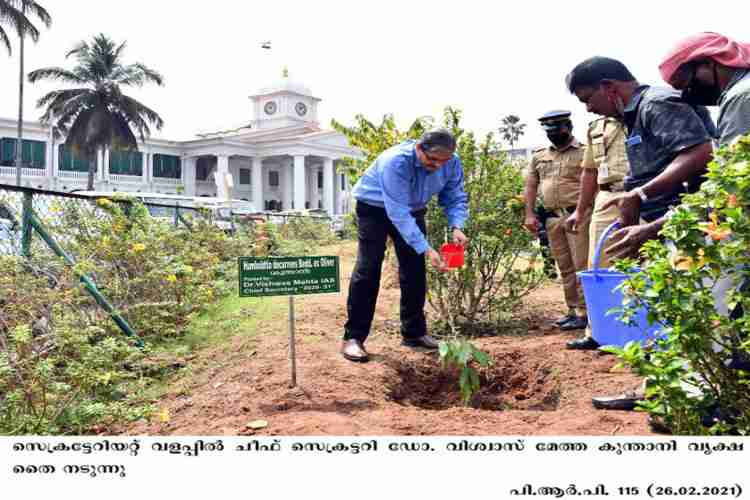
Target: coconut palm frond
<point x="55" y="73"/>
<point x="36" y="10"/>
<point x="80" y="48"/>
<point x="122" y="136"/>
<point x="5" y="40"/>
<point x="57" y="95"/>
<point x="136" y="108"/>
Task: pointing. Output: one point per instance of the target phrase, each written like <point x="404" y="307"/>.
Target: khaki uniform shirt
<point x="605" y="150"/>
<point x="559" y="174"/>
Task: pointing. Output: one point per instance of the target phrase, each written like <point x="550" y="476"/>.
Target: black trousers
<point x="374" y="228"/>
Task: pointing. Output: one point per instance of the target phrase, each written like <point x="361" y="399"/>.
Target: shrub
<point x="694" y="382"/>
<point x="308" y="229"/>
<point x="497" y="273"/>
<point x="58" y="372"/>
<point x="499" y="268"/>
<point x="156" y="275"/>
<point x="64" y="365"/>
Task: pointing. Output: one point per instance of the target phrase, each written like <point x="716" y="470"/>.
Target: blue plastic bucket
<point x="600" y="290"/>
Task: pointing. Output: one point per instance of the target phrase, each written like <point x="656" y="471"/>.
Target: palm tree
<point x="13" y="13"/>
<point x="511" y="129"/>
<point x="96" y="115"/>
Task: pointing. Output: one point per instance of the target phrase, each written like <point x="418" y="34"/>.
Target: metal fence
<point x="57" y="210"/>
<point x="36" y="225"/>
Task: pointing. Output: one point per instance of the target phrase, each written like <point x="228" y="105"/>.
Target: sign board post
<point x="274" y="276"/>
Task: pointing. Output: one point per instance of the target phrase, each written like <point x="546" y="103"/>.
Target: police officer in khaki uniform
<point x="605" y="164"/>
<point x="557" y="170"/>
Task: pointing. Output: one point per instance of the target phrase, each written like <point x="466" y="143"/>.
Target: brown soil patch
<point x="511" y="383"/>
<point x="536" y="386"/>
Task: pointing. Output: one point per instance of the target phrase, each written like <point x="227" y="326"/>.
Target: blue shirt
<point x="398" y="182"/>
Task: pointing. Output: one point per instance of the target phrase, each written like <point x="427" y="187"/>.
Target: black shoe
<point x="584" y="344"/>
<point x="624" y="402"/>
<point x="354" y="350"/>
<point x="565" y="319"/>
<point x="576" y="323"/>
<point x="424" y="341"/>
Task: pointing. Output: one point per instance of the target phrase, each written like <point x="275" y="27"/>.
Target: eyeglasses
<point x="436" y="160"/>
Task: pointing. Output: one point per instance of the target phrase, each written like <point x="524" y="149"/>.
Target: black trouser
<point x="374" y="228"/>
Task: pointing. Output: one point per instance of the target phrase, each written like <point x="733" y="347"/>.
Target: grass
<point x="229" y="318"/>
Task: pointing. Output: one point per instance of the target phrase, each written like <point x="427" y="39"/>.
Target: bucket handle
<point x="600" y="244"/>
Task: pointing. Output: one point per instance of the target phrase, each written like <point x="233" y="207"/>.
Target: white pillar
<point x="53" y="164"/>
<point x="222" y="169"/>
<point x="328" y="185"/>
<point x="287" y="183"/>
<point x="314" y="192"/>
<point x="256" y="182"/>
<point x="144" y="166"/>
<point x="99" y="166"/>
<point x="105" y="160"/>
<point x="299" y="182"/>
<point x="188" y="175"/>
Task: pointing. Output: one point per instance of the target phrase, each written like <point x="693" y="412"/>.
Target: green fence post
<point x="185" y="221"/>
<point x="87" y="283"/>
<point x="28" y="205"/>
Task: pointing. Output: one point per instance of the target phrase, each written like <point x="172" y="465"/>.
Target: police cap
<point x="555" y="119"/>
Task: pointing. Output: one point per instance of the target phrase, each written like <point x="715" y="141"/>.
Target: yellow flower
<point x="139" y="247"/>
<point x="164" y="415"/>
<point x="682" y="262"/>
<point x="713" y="230"/>
<point x="104" y="202"/>
<point x="171" y="278"/>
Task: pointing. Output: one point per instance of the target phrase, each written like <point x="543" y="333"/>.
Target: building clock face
<point x="301" y="108"/>
<point x="270" y="107"/>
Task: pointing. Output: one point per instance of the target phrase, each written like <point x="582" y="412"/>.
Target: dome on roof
<point x="286" y="84"/>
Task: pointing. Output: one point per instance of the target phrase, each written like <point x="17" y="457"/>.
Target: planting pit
<point x="511" y="383"/>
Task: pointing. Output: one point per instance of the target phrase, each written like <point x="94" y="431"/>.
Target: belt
<point x="613" y="187"/>
<point x="561" y="212"/>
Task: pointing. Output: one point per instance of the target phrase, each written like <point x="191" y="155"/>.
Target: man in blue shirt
<point x="391" y="199"/>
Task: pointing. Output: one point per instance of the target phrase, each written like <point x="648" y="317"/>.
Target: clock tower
<point x="284" y="103"/>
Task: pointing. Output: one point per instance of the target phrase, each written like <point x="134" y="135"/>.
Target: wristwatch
<point x="641" y="194"/>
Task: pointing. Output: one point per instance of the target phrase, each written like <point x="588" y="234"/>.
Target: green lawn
<point x="229" y="319"/>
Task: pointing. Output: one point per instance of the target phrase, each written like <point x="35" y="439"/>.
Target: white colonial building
<point x="281" y="159"/>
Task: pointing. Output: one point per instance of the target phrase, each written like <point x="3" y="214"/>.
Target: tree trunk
<point x="19" y="144"/>
<point x="92" y="157"/>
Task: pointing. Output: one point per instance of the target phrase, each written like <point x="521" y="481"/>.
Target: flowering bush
<point x="698" y="378"/>
<point x="497" y="274"/>
<point x="64" y="365"/>
<point x="156" y="275"/>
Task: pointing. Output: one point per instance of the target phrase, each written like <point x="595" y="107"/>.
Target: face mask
<point x="699" y="94"/>
<point x="618" y="104"/>
<point x="559" y="139"/>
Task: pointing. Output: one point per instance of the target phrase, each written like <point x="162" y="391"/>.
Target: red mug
<point x="453" y="255"/>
